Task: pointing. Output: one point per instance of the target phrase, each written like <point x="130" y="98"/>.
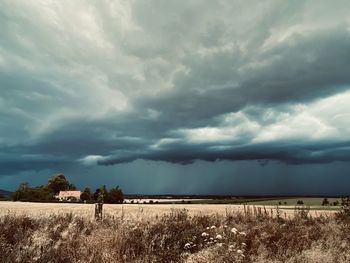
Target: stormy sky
<point x="183" y="97"/>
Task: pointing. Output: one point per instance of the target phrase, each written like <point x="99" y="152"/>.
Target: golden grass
<point x="138" y="210"/>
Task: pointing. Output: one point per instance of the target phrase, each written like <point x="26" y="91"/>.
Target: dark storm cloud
<point x="108" y="83"/>
<point x="303" y="69"/>
<point x="290" y="154"/>
<point x="16" y="159"/>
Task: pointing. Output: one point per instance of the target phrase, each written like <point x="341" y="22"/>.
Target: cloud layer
<point x="108" y="82"/>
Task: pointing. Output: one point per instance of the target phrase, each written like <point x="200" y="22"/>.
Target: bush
<point x="344" y="213"/>
<point x="325" y="202"/>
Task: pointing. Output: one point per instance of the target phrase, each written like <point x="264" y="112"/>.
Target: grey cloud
<point x="114" y="79"/>
<point x="290" y="153"/>
<point x="288" y="75"/>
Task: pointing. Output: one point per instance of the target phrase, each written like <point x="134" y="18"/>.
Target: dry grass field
<point x="141" y="210"/>
<point x="51" y="232"/>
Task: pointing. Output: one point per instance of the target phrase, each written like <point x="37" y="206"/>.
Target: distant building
<point x="69" y="196"/>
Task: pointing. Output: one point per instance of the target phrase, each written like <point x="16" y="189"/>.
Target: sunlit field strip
<point x="135" y="211"/>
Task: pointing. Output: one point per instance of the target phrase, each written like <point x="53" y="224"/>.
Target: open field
<point x="52" y="232"/>
<point x="133" y="211"/>
<point x="310" y="201"/>
<point x="285" y="201"/>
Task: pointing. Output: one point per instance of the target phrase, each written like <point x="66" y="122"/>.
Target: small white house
<point x="69" y="196"/>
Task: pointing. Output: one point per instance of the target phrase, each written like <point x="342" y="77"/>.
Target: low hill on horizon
<point x="5" y="193"/>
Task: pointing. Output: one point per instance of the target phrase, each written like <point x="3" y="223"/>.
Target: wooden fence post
<point x="98" y="211"/>
<point x="99" y="206"/>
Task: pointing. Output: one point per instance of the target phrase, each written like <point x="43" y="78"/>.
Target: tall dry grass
<point x="175" y="237"/>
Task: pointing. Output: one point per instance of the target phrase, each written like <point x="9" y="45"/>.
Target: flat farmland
<point x="315" y="202"/>
<point x="143" y="211"/>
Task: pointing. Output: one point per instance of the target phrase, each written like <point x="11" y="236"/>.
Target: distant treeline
<point x="57" y="183"/>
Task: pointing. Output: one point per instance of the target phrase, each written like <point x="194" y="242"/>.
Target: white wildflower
<point x="204" y="234"/>
<point x="218" y="237"/>
<point x="187" y="246"/>
<point x="242" y="233"/>
<point x="239" y="252"/>
<point x="212" y="227"/>
<point x="244" y="244"/>
<point x="234" y="230"/>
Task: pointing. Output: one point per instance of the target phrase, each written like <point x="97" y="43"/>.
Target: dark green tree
<point x="101" y="195"/>
<point x="116" y="196"/>
<point x="104" y="194"/>
<point x="38" y="193"/>
<point x="325" y="202"/>
<point x="96" y="195"/>
<point x="300" y="202"/>
<point x="58" y="183"/>
<point x="21" y="192"/>
<point x="86" y="194"/>
<point x="72" y="187"/>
